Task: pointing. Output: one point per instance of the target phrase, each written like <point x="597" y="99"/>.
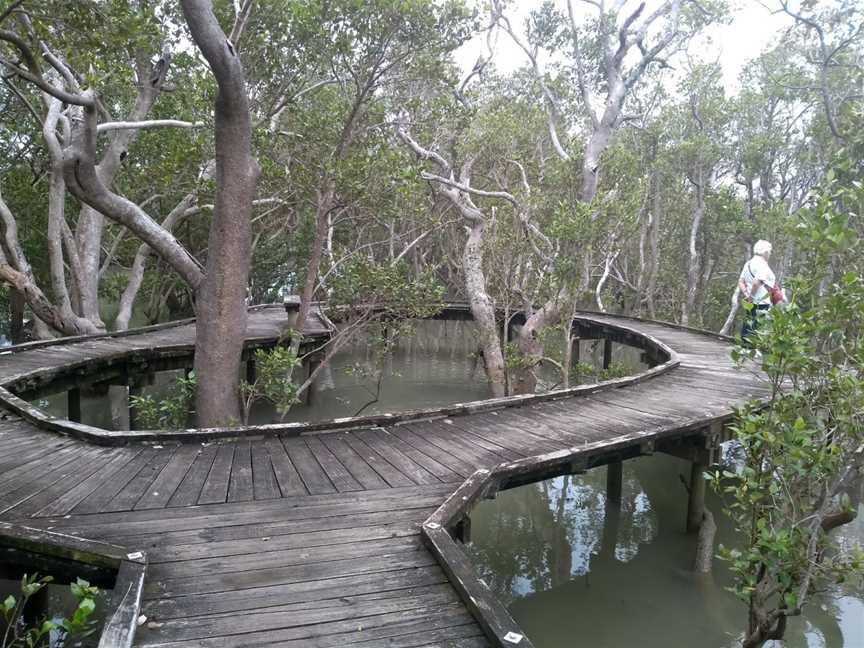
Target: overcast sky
<point x="753" y="28"/>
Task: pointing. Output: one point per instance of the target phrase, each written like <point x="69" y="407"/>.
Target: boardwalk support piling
<point x="696" y="497"/>
<point x="607" y="353"/>
<point x="312" y="363"/>
<point x="614" y="477"/>
<point x="134" y="392"/>
<point x="251" y="371"/>
<point x="462" y="530"/>
<point x="73" y="409"/>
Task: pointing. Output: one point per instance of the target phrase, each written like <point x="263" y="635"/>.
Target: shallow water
<point x="433" y="366"/>
<point x="575" y="574"/>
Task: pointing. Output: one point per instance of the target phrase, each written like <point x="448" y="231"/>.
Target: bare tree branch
<point x="146" y="124"/>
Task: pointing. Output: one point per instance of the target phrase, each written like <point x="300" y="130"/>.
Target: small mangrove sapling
<point x="43" y="632"/>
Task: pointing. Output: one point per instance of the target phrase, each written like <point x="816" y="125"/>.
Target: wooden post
<point x="614" y="480"/>
<point x="607" y="353"/>
<point x="575" y="354"/>
<point x="312" y="363"/>
<point x="134" y="390"/>
<point x="119" y="403"/>
<point x="462" y="531"/>
<point x="251" y="371"/>
<point x="696" y="497"/>
<point x="73" y="405"/>
<point x="16" y="316"/>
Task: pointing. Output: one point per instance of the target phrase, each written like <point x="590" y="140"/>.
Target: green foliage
<point x="46" y="632"/>
<point x="598" y="374"/>
<point x="803" y="451"/>
<point x="273" y="381"/>
<point x="168" y="413"/>
<point x="390" y="288"/>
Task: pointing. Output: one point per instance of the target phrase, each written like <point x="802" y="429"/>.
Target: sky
<point x="753" y="28"/>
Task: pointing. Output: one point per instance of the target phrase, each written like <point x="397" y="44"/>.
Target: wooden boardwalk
<point x="314" y="540"/>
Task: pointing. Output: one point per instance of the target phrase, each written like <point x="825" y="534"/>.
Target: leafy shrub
<point x="46" y="632"/>
<point x="167" y="413"/>
<point x="273" y="381"/>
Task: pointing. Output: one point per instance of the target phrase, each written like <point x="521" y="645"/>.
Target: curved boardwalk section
<point x="314" y="539"/>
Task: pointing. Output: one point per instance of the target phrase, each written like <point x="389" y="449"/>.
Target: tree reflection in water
<point x="576" y="570"/>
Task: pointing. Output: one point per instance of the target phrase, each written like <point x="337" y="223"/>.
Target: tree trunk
<point x="530" y="347"/>
<point x="39" y="304"/>
<point x="91" y="223"/>
<point x="694" y="266"/>
<point x="654" y="240"/>
<point x="139" y="265"/>
<point x="483" y="310"/>
<point x="221" y="307"/>
<point x="326" y="197"/>
<point x="56" y="214"/>
<point x="594" y="149"/>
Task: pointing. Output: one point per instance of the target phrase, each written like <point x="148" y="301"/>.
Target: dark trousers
<point x="752" y="319"/>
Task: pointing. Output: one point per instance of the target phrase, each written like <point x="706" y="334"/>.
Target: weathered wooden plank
<point x="300" y="615"/>
<point x="313" y="476"/>
<point x="518" y="439"/>
<point x="354" y="463"/>
<point x="467" y="437"/>
<point x="304" y="591"/>
<point x="367" y="513"/>
<point x="215" y="489"/>
<point x="38" y="482"/>
<point x="263" y="475"/>
<point x="98" y="499"/>
<point x="41" y="464"/>
<point x="189" y="490"/>
<point x="338" y="474"/>
<point x="160" y="491"/>
<point x="241" y="487"/>
<point x="393" y="476"/>
<point x="445" y="457"/>
<point x="375" y="628"/>
<point x="133" y="491"/>
<point x="421" y="469"/>
<point x="446" y="439"/>
<point x="328" y="531"/>
<point x="273" y="558"/>
<point x="263" y="510"/>
<point x="70" y="497"/>
<point x="290" y="483"/>
<point x="266" y="576"/>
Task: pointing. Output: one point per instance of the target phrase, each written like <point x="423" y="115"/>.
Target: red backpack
<point x="776" y="293"/>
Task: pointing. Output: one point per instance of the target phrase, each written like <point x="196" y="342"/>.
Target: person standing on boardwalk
<point x="756" y="283"/>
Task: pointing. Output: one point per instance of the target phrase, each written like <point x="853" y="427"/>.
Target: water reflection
<point x="435" y="364"/>
<point x="576" y="570"/>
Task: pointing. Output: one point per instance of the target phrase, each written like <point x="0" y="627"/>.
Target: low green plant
<point x="167" y="413"/>
<point x="615" y="370"/>
<point x="803" y="449"/>
<point x="273" y="381"/>
<point x="45" y="632"/>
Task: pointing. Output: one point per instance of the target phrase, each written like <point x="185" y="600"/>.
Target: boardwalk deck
<point x="314" y="540"/>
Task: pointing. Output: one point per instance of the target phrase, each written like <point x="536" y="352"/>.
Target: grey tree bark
<point x="139" y="264"/>
<point x="458" y="193"/>
<point x="694" y="265"/>
<point x="221" y="307"/>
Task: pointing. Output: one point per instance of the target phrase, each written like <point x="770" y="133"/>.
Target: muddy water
<point x="435" y="365"/>
<point x="575" y="573"/>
